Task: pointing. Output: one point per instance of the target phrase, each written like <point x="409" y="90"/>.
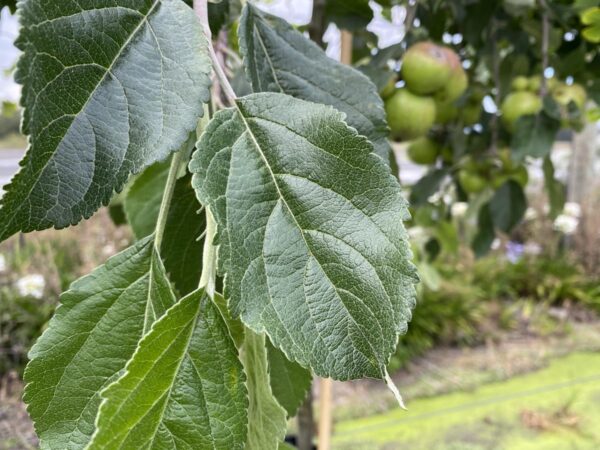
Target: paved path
<point x="9" y="164"/>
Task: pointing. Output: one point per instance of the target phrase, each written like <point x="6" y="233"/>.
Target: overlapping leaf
<point x="107" y="91"/>
<point x="266" y="418"/>
<point x="310" y="232"/>
<point x="88" y="342"/>
<point x="280" y="59"/>
<point x="183" y="388"/>
<point x="289" y="380"/>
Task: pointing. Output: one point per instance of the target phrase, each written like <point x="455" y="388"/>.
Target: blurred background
<point x="504" y="347"/>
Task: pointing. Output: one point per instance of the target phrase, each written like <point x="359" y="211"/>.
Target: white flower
<point x="459" y="209"/>
<point x="31" y="285"/>
<point x="566" y="224"/>
<point x="2" y="263"/>
<point x="435" y="197"/>
<point x="496" y="244"/>
<point x="530" y="214"/>
<point x="572" y="209"/>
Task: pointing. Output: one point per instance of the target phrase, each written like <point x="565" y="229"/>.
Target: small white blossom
<point x="109" y="250"/>
<point x="572" y="209"/>
<point x="566" y="224"/>
<point x="496" y="244"/>
<point x="530" y="214"/>
<point x="435" y="197"/>
<point x="2" y="263"/>
<point x="459" y="209"/>
<point x="417" y="233"/>
<point x="31" y="285"/>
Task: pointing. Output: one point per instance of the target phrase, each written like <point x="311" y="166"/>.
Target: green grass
<point x="557" y="407"/>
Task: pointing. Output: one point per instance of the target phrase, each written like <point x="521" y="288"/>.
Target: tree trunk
<point x="306" y="424"/>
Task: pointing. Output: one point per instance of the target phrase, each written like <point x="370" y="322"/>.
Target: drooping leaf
<point x="280" y="59"/>
<point x="310" y="233"/>
<point x="534" y="136"/>
<point x="183" y="388"/>
<point x="182" y="247"/>
<point x="266" y="418"/>
<point x="142" y="201"/>
<point x="427" y="186"/>
<point x="482" y="242"/>
<point x="289" y="380"/>
<point x="107" y="91"/>
<point x="556" y="190"/>
<point x="349" y="14"/>
<point x="88" y="342"/>
<point x="508" y="206"/>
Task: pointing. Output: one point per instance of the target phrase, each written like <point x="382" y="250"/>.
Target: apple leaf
<point x="289" y="380"/>
<point x="310" y="233"/>
<point x="508" y="205"/>
<point x="183" y="388"/>
<point x="88" y="342"/>
<point x="107" y="91"/>
<point x="280" y="59"/>
<point x="266" y="418"/>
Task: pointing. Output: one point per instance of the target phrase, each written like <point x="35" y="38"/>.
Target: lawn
<point x="557" y="407"/>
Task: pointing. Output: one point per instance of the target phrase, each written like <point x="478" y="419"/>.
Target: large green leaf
<point x="88" y="342"/>
<point x="508" y="205"/>
<point x="183" y="388"/>
<point x="280" y="59"/>
<point x="310" y="232"/>
<point x="107" y="91"/>
<point x="266" y="418"/>
<point x="556" y="189"/>
<point x="289" y="380"/>
<point x="534" y="136"/>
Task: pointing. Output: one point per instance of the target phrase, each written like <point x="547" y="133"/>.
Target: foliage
<point x="301" y="224"/>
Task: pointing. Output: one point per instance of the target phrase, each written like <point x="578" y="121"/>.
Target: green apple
<point x="564" y="94"/>
<point x="520" y="175"/>
<point x="409" y="116"/>
<point x="458" y="82"/>
<point x="471" y="182"/>
<point x="425" y="68"/>
<point x="423" y="151"/>
<point x="517" y="104"/>
<point x="520" y="83"/>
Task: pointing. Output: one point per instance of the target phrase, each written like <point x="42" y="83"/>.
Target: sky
<point x="297" y="12"/>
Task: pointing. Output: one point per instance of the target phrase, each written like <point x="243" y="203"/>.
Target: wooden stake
<point x="325" y="416"/>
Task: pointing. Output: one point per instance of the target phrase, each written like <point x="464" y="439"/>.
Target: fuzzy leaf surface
<point x="280" y="59"/>
<point x="184" y="388"/>
<point x="93" y="334"/>
<point x="107" y="91"/>
<point x="310" y="232"/>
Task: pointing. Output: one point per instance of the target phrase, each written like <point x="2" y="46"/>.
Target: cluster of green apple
<point x="433" y="80"/>
<point x="474" y="176"/>
<point x="524" y="99"/>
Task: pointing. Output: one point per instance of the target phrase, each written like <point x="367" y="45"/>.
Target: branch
<point x="316" y="27"/>
<point x="545" y="43"/>
<point x="497" y="86"/>
<point x="201" y="10"/>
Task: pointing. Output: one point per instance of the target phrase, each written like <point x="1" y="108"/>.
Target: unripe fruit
<point x="423" y="151"/>
<point x="520" y="83"/>
<point x="470" y="113"/>
<point x="471" y="182"/>
<point x="563" y="94"/>
<point x="409" y="116"/>
<point x="517" y="104"/>
<point x="457" y="83"/>
<point x="425" y="68"/>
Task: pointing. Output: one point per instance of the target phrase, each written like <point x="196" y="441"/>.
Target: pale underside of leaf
<point x="310" y="232"/>
<point x="107" y="91"/>
<point x="183" y="388"/>
<point x="88" y="342"/>
<point x="278" y="58"/>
